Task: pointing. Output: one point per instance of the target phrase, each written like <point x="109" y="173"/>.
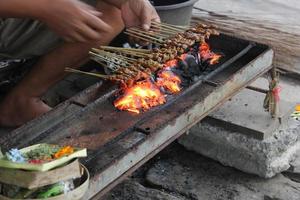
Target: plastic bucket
<point x="177" y="12"/>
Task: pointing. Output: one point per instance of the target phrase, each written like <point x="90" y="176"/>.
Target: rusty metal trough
<point x="120" y="142"/>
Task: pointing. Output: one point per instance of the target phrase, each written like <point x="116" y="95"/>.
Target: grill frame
<point x="120" y="142"/>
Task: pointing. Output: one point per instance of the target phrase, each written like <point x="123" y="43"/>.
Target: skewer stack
<point x="129" y="65"/>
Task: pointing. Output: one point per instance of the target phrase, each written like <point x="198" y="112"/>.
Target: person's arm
<point x="136" y="12"/>
<point x="73" y="20"/>
<point x="116" y="3"/>
<point x="19" y="8"/>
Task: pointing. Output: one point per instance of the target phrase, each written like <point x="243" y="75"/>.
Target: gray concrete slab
<point x="199" y="178"/>
<point x="265" y="158"/>
<point x="245" y="113"/>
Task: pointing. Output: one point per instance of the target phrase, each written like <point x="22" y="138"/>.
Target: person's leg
<point x="23" y="102"/>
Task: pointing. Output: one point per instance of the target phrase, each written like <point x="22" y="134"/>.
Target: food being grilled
<point x="131" y="65"/>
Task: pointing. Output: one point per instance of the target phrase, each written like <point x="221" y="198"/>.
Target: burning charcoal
<point x="203" y="65"/>
<point x="192" y="65"/>
<point x="185" y="83"/>
<point x="183" y="66"/>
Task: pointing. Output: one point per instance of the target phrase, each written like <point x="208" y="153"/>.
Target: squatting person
<point x="61" y="32"/>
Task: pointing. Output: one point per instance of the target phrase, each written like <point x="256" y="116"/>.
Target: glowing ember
<point x="183" y="56"/>
<point x="142" y="96"/>
<point x="207" y="55"/>
<point x="169" y="81"/>
<point x="171" y="63"/>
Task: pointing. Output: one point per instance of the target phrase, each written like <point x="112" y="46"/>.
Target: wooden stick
<point x="168" y="27"/>
<point x="131" y="53"/>
<point x="150" y="33"/>
<point x="144" y="35"/>
<point x="143" y="38"/>
<point x="125" y="49"/>
<point x="112" y="60"/>
<point x="147" y="33"/>
<point x="109" y="54"/>
<point x="172" y="25"/>
<point x="165" y="30"/>
<point x="68" y="69"/>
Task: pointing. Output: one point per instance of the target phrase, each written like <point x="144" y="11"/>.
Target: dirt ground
<point x="178" y="174"/>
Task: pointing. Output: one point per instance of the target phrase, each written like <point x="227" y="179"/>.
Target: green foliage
<point x="43" y="152"/>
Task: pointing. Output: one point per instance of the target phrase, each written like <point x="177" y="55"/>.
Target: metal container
<point x="177" y="12"/>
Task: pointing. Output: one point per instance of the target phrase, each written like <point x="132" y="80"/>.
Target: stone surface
<point x="245" y="113"/>
<point x="294" y="171"/>
<point x="199" y="178"/>
<point x="131" y="190"/>
<point x="265" y="158"/>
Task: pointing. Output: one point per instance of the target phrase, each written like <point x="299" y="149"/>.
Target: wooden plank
<point x="272" y="22"/>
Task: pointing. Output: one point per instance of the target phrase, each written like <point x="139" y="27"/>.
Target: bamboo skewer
<point x="68" y="69"/>
<point x="131" y="53"/>
<point x="166" y="26"/>
<point x="172" y="25"/>
<point x="150" y="33"/>
<point x="144" y="36"/>
<point x="113" y="55"/>
<point x="125" y="49"/>
<point x="165" y="30"/>
<point x="113" y="61"/>
<point x="127" y="63"/>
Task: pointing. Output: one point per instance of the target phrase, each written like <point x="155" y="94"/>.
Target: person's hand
<point x="139" y="13"/>
<point x="73" y="20"/>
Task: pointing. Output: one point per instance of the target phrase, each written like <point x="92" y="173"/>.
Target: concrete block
<point x="265" y="158"/>
<point x="245" y="113"/>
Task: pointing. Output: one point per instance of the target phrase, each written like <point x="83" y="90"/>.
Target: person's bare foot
<point x="18" y="109"/>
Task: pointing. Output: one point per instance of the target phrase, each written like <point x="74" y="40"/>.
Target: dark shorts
<point x="26" y="38"/>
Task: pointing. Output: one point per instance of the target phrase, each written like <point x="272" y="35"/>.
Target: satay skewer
<point x="125" y="49"/>
<point x="68" y="69"/>
<point x="109" y="60"/>
<point x="147" y="36"/>
<point x="172" y="25"/>
<point x="151" y="33"/>
<point x="165" y="30"/>
<point x="171" y="38"/>
<point x="143" y="38"/>
<point x="177" y="26"/>
<point x="131" y="53"/>
<point x="168" y="26"/>
<point x="119" y="50"/>
<point x="113" y="55"/>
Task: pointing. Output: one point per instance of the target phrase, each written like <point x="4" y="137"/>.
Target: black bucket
<point x="177" y="12"/>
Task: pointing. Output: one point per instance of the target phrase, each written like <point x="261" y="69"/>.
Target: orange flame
<point x="142" y="96"/>
<point x="183" y="56"/>
<point x="171" y="63"/>
<point x="169" y="81"/>
<point x="207" y="55"/>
